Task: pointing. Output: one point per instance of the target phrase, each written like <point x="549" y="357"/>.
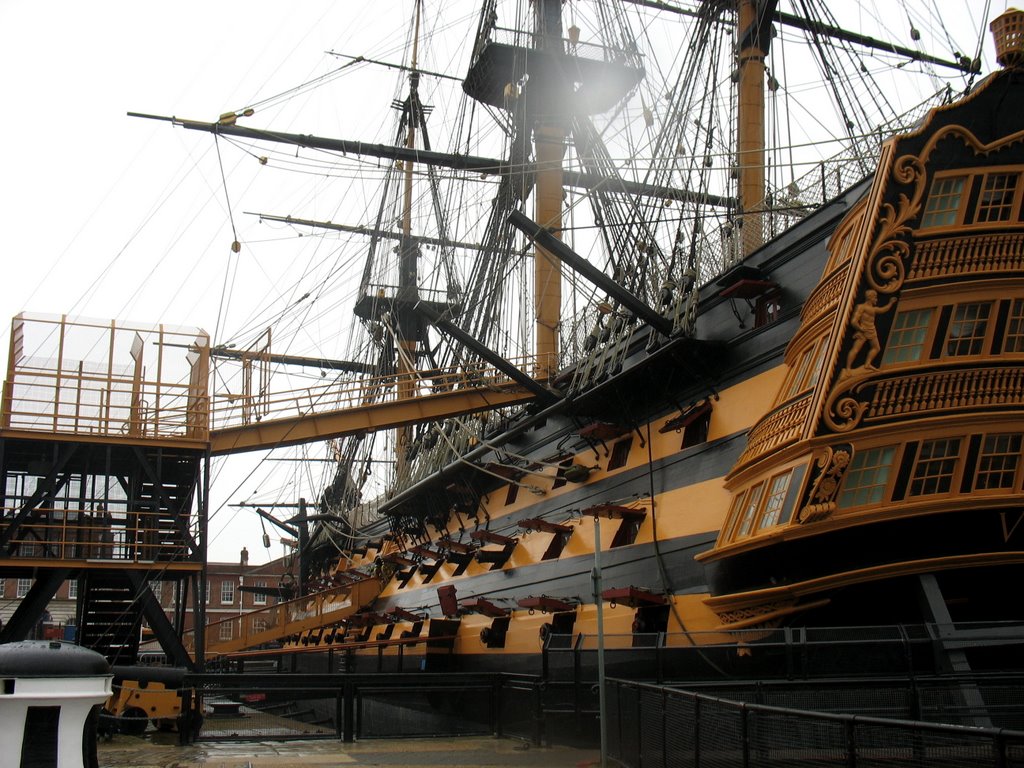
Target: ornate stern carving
<point x="820" y="502"/>
<point x="884" y="272"/>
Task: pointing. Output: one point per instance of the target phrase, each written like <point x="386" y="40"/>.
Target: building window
<point x="943" y="202"/>
<point x="157" y="588"/>
<point x="753" y="501"/>
<point x="996" y="202"/>
<point x="1015" y="328"/>
<point x="935" y="466"/>
<point x="620" y="453"/>
<point x="867" y="477"/>
<point x="997" y="465"/>
<point x="259" y="598"/>
<point x="226" y="631"/>
<point x="967" y="329"/>
<point x="24" y="585"/>
<point x="227" y="591"/>
<point x="206" y="597"/>
<point x="907" y="338"/>
<point x="73" y="589"/>
<point x="776" y="498"/>
<point x="259" y="624"/>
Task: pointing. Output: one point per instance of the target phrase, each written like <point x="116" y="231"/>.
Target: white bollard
<point x="47" y="691"/>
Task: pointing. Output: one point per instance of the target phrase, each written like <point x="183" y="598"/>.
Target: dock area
<point x="157" y="750"/>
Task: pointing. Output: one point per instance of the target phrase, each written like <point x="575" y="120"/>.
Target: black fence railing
<point x="361" y="706"/>
<point x="791" y="653"/>
<point x="657" y="726"/>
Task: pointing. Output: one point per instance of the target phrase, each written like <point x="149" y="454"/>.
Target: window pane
<point x="752" y="503"/>
<point x="997" y="466"/>
<point x="935" y="467"/>
<point x="967" y="329"/>
<point x="906" y="341"/>
<point x="867" y="477"/>
<point x="776" y="498"/>
<point x="996" y="203"/>
<point x="227" y="591"/>
<point x="1015" y="328"/>
<point x="259" y="598"/>
<point x="943" y="202"/>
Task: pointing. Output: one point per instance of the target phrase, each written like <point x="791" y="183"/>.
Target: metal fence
<point x="361" y="706"/>
<point x="655" y="726"/>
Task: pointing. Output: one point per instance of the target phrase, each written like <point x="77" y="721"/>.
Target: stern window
<point x="997" y="466"/>
<point x="967" y="329"/>
<point x="1015" y="327"/>
<point x="752" y="503"/>
<point x="935" y="467"/>
<point x="776" y="498"/>
<point x="867" y="477"/>
<point x="908" y="336"/>
<point x="943" y="202"/>
<point x="996" y="202"/>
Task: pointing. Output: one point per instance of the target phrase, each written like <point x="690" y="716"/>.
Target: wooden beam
<point x="360" y="419"/>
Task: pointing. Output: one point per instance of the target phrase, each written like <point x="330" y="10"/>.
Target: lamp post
<point x="595" y="577"/>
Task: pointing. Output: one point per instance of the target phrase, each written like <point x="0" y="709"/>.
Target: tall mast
<point x="754" y="28"/>
<point x="549" y="133"/>
<point x="406" y="319"/>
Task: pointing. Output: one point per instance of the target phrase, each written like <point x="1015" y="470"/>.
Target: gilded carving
<point x="863" y="323"/>
<point x="821" y="501"/>
<point x="884" y="273"/>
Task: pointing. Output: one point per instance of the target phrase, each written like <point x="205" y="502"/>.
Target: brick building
<point x="231" y="592"/>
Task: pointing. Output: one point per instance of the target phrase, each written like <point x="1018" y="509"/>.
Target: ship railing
<point x="97" y="535"/>
<point x="348" y="392"/>
<point x="525" y="39"/>
<point x="779" y="427"/>
<point x="66" y="375"/>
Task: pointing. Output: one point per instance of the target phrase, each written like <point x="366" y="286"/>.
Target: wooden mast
<point x="750" y="135"/>
<point x="549" y="132"/>
<point x="407" y="269"/>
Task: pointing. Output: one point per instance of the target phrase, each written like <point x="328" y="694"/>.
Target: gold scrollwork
<point x="821" y="501"/>
<point x="884" y="272"/>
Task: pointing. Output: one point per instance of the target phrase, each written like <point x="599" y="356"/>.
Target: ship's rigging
<point x="652" y="197"/>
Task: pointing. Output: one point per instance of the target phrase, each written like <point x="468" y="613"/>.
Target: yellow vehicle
<point x="144" y="694"/>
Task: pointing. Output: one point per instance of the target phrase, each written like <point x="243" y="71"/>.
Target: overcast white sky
<point x="84" y="194"/>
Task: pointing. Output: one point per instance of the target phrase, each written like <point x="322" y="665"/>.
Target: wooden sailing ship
<point x="826" y="431"/>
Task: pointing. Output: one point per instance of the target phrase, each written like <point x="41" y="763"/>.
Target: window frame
<point x="1014" y="328"/>
<point x="769" y="516"/>
<point x="1013" y="207"/>
<point x="227" y="590"/>
<point x="975" y="179"/>
<point x="855" y="469"/>
<point x="983" y="454"/>
<point x="924" y="348"/>
<point x="753" y="502"/>
<point x="259" y="598"/>
<point x="984" y="340"/>
<point x="952" y="477"/>
<point x="961" y="206"/>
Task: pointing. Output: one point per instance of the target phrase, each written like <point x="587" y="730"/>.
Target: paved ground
<point x="160" y="751"/>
